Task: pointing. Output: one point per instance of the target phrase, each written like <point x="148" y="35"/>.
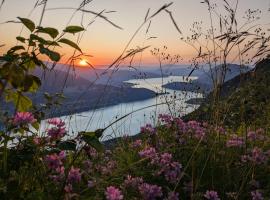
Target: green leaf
<point x="73" y="29"/>
<point x="28" y="23"/>
<point x="21" y="39"/>
<point x="30" y="64"/>
<point x="36" y="125"/>
<point x="67" y="145"/>
<point x="37" y="38"/>
<point x="16" y="48"/>
<point x="70" y="43"/>
<point x="91" y="139"/>
<point x="22" y="102"/>
<point x="48" y="30"/>
<point x="54" y="56"/>
<point x="31" y="83"/>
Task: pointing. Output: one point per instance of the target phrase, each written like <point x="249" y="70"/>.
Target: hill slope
<point x="245" y="98"/>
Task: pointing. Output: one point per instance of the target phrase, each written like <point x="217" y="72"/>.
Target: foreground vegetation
<point x="176" y="160"/>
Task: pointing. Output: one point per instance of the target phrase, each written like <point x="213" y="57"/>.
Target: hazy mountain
<point x="204" y="83"/>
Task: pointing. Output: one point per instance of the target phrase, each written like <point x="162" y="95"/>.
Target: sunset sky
<point x="106" y="42"/>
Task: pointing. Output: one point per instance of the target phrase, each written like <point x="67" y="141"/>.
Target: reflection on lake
<point x="173" y="102"/>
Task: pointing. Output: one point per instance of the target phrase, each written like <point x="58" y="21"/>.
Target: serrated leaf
<point x="28" y="23"/>
<point x="16" y="48"/>
<point x="70" y="43"/>
<point x="31" y="83"/>
<point x="36" y="125"/>
<point x="91" y="139"/>
<point x="22" y="102"/>
<point x="48" y="30"/>
<point x="21" y="39"/>
<point x="54" y="56"/>
<point x="67" y="145"/>
<point x="37" y="38"/>
<point x="73" y="29"/>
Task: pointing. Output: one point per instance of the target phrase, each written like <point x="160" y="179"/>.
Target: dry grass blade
<point x="134" y="52"/>
<point x="88" y="11"/>
<point x="161" y="9"/>
<point x="173" y="21"/>
<point x="147" y="14"/>
<point x="148" y="27"/>
<point x="84" y="3"/>
<point x="102" y="16"/>
<point x="2" y="3"/>
<point x="40" y="2"/>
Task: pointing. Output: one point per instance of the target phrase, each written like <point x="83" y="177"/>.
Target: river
<point x="171" y="102"/>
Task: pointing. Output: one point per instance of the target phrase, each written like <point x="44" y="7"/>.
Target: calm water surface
<point x="173" y="102"/>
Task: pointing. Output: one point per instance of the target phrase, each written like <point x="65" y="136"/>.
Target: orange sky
<point x="105" y="42"/>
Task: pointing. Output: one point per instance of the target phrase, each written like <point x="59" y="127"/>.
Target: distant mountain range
<point x="204" y="83"/>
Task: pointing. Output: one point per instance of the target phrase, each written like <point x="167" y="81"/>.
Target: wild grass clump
<point x="175" y="160"/>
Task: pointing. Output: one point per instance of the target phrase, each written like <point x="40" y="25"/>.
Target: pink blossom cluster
<point x="166" y="119"/>
<point x="193" y="128"/>
<point x="257" y="156"/>
<point x="169" y="169"/>
<point x="256" y="195"/>
<point x="148" y="129"/>
<point x="150" y="192"/>
<point x="58" y="131"/>
<point x="137" y="143"/>
<point x="173" y="196"/>
<point x="196" y="129"/>
<point x="108" y="168"/>
<point x="55" y="164"/>
<point x="23" y="118"/>
<point x="150" y="153"/>
<point x="256" y="135"/>
<point x="235" y="141"/>
<point x="74" y="175"/>
<point x="113" y="193"/>
<point x="211" y="195"/>
<point x="133" y="182"/>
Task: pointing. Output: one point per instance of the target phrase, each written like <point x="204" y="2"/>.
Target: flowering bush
<point x="175" y="160"/>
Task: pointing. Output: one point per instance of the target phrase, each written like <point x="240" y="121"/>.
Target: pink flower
<point x="53" y="161"/>
<point x="235" y="141"/>
<point x="37" y="140"/>
<point x="68" y="188"/>
<point x="74" y="175"/>
<point x="258" y="155"/>
<point x="211" y="195"/>
<point x="149" y="153"/>
<point x="137" y="143"/>
<point x="57" y="132"/>
<point x="113" y="193"/>
<point x="23" y="118"/>
<point x="148" y="129"/>
<point x="57" y="122"/>
<point x="150" y="192"/>
<point x="133" y="182"/>
<point x="256" y="195"/>
<point x="173" y="196"/>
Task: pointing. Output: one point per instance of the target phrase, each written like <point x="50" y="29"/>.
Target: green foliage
<point x="70" y="43"/>
<point x="19" y="62"/>
<point x="28" y="23"/>
<point x="48" y="30"/>
<point x="73" y="29"/>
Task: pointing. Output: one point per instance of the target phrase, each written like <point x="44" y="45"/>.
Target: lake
<point x="171" y="102"/>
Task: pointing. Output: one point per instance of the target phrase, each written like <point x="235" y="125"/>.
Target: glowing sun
<point x="83" y="62"/>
